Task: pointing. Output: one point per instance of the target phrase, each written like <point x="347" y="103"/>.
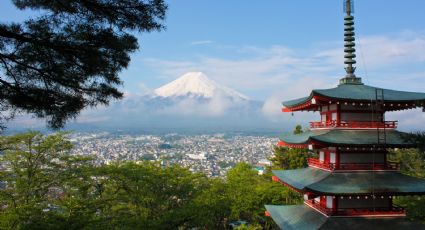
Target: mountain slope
<point x="197" y="84"/>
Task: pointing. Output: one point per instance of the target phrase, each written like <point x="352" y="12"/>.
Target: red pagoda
<point x="351" y="184"/>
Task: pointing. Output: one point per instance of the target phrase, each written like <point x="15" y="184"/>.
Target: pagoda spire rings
<point x="349" y="46"/>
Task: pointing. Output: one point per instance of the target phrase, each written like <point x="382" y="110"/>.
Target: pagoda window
<point x="334" y="116"/>
<point x="329" y="202"/>
<point x="322" y="156"/>
<point x="332" y="159"/>
<point x="323" y="118"/>
<point x="362" y="158"/>
<point x="329" y="114"/>
<point x="356" y="107"/>
<point x="362" y="202"/>
<point x="357" y="116"/>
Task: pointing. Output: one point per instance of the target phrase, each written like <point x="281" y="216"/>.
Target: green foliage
<point x="212" y="209"/>
<point x="47" y="188"/>
<point x="298" y="129"/>
<point x="241" y="191"/>
<point x="69" y="57"/>
<point x="148" y="196"/>
<point x="250" y="227"/>
<point x="415" y="207"/>
<point x="38" y="172"/>
<point x="289" y="158"/>
<point x="419" y="139"/>
<point x="247" y="193"/>
<point x="412" y="162"/>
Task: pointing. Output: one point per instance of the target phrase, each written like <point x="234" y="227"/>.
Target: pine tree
<point x="69" y="57"/>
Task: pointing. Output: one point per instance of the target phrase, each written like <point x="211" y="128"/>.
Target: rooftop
<point x="346" y="183"/>
<point x="339" y="137"/>
<point x="396" y="100"/>
<point x="303" y="217"/>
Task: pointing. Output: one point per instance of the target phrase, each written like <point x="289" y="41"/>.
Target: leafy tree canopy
<point x="289" y="158"/>
<point x="298" y="129"/>
<point x="412" y="162"/>
<point x="69" y="57"/>
<point x="43" y="186"/>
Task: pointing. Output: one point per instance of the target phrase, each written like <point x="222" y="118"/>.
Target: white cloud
<point x="378" y="52"/>
<point x="299" y="88"/>
<point x="216" y="107"/>
<point x="409" y="120"/>
<point x="201" y="42"/>
<point x="92" y="118"/>
<point x="268" y="69"/>
<point x="27" y="121"/>
<point x="278" y="66"/>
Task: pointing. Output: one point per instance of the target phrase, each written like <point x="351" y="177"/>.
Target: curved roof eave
<point x="322" y="182"/>
<point x="358" y="93"/>
<point x="347" y="138"/>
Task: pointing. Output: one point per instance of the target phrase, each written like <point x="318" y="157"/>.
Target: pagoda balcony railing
<point x="390" y="166"/>
<point x="391" y="211"/>
<point x="314" y="162"/>
<point x="354" y="124"/>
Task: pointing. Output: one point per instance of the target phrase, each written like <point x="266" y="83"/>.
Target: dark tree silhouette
<point x="69" y="57"/>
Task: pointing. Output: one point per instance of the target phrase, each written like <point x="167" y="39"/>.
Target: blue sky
<point x="278" y="49"/>
<point x="206" y="35"/>
<point x="238" y="43"/>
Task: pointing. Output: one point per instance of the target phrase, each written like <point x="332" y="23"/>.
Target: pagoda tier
<point x="295" y="217"/>
<point x="356" y="138"/>
<point x="352" y="150"/>
<point x="354" y="97"/>
<point x="355" y="194"/>
<point x="320" y="182"/>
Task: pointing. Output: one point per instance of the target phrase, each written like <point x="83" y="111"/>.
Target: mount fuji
<point x="197" y="85"/>
<point x="191" y="102"/>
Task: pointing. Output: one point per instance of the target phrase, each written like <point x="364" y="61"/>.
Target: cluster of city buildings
<point x="211" y="154"/>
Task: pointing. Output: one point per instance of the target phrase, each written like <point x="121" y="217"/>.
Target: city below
<point x="212" y="154"/>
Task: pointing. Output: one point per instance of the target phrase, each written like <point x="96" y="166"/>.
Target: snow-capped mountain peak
<point x="196" y="84"/>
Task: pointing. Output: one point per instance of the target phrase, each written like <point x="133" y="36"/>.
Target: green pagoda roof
<point x="294" y="217"/>
<point x="347" y="137"/>
<point x="301" y="178"/>
<point x="346" y="183"/>
<point x="357" y="92"/>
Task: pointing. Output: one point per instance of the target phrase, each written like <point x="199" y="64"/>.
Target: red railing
<point x="319" y="164"/>
<point x="324" y="210"/>
<point x="314" y="162"/>
<point x="354" y="124"/>
<point x="391" y="211"/>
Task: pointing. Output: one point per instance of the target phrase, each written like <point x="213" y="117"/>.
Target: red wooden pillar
<point x="338" y="114"/>
<point x="327" y="156"/>
<point x="337" y="158"/>
<point x="334" y="203"/>
<point x="323" y="201"/>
